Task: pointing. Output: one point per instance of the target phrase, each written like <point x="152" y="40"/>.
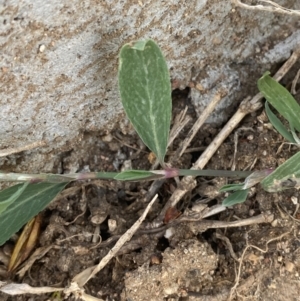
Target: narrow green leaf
<point x="290" y="168"/>
<point x="280" y="99"/>
<point x="136" y="175"/>
<point x="281" y="129"/>
<point x="145" y="90"/>
<point x="296" y="138"/>
<point x="33" y="199"/>
<point x="214" y="173"/>
<point x="4" y="203"/>
<point x="231" y="187"/>
<point x="237" y="197"/>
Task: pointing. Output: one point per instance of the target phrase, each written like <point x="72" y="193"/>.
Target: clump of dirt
<point x="185" y="261"/>
<point x="181" y="270"/>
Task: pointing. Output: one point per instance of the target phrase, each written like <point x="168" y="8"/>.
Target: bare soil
<point x="187" y="261"/>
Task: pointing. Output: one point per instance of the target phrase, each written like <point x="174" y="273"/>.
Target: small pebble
<point x="42" y="48"/>
<point x="289" y="266"/>
<point x="294" y="200"/>
<point x="155" y="259"/>
<point x="79" y="250"/>
<point x="127" y="165"/>
<point x="107" y="138"/>
<point x="169" y="233"/>
<point x="112" y="225"/>
<point x="251" y="212"/>
<point x="274" y="223"/>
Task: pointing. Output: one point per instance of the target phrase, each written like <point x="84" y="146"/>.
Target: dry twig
<point x="237" y="279"/>
<point x="200" y="121"/>
<point x="11" y="151"/>
<point x="272" y="7"/>
<point x="199" y="224"/>
<point x="294" y="83"/>
<point x="228" y="244"/>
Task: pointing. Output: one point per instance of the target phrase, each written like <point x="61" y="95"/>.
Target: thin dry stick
<point x="89" y="273"/>
<point x="237" y="280"/>
<point x="180" y="122"/>
<point x="246" y="107"/>
<point x="202" y="224"/>
<point x="38" y="253"/>
<point x="228" y="244"/>
<point x="84" y="200"/>
<point x="129" y="146"/>
<point x="10" y="151"/>
<point x="258" y="219"/>
<point x="294" y="83"/>
<point x="200" y="121"/>
<point x="273" y="7"/>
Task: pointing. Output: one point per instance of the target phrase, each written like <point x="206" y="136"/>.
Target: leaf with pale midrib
<point x="4" y="203"/>
<point x="290" y="168"/>
<point x="280" y="98"/>
<point x="33" y="199"/>
<point x="145" y="89"/>
<point x="278" y="125"/>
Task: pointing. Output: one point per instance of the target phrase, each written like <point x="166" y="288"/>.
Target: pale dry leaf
<point x="23" y="288"/>
<point x="87" y="297"/>
<point x="82" y="277"/>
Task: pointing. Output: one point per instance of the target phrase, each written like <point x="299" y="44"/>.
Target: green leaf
<point x="4" y="203"/>
<point x="290" y="168"/>
<point x="231" y="187"/>
<point x="236" y="198"/>
<point x="136" y="175"/>
<point x="33" y="199"/>
<point x="296" y="138"/>
<point x="145" y="89"/>
<point x="280" y="99"/>
<point x="281" y="129"/>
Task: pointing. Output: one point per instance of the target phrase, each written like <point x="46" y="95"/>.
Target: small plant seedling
<point x="285" y="104"/>
<point x="286" y="175"/>
<point x="145" y="90"/>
